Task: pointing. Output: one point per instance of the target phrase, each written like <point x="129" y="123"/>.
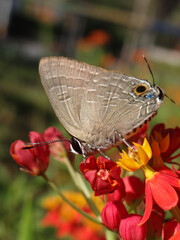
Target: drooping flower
<point x="33" y="160"/>
<point x="102" y="174"/>
<point x="129" y="228"/>
<point x="112" y="213"/>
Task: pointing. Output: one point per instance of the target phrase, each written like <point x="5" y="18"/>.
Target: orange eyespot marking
<point x="140" y="89"/>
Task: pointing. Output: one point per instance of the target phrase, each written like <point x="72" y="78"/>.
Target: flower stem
<point x="54" y="187"/>
<point x="110" y="235"/>
<point x="77" y="178"/>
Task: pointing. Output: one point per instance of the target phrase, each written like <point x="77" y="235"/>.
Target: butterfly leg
<point x="104" y="155"/>
<point x="83" y="154"/>
<point x="99" y="150"/>
<point x="124" y="140"/>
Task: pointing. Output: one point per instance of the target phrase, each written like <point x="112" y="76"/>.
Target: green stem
<point x="54" y="187"/>
<point x="110" y="235"/>
<point x="79" y="182"/>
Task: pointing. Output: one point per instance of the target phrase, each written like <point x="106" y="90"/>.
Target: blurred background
<point x="111" y="34"/>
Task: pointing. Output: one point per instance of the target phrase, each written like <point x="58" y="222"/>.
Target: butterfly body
<point x="99" y="108"/>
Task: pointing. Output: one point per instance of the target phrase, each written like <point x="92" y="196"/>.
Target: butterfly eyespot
<point x="140" y="89"/>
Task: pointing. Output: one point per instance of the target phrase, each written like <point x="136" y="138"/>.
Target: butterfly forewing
<point x="65" y="81"/>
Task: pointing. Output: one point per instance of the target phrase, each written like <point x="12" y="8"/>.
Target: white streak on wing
<point x="102" y="85"/>
<point x="91" y="101"/>
<point x="92" y="90"/>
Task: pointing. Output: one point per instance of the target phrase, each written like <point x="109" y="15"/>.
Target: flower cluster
<point x="72" y="224"/>
<point x="134" y="207"/>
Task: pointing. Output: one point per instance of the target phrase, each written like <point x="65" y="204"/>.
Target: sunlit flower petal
<point x="136" y="158"/>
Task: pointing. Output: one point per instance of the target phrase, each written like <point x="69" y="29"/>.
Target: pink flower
<point x="129" y="229"/>
<point x="33" y="160"/>
<point x="112" y="213"/>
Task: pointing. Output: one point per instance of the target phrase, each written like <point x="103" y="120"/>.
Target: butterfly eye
<point x="140" y="89"/>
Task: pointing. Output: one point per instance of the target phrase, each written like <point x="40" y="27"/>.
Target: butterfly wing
<point x="111" y="103"/>
<point x="65" y="81"/>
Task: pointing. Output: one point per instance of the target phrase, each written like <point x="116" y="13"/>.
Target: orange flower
<point x="136" y="159"/>
<point x="168" y="141"/>
<point x="159" y="189"/>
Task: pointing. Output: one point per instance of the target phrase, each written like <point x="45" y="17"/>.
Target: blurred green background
<point x="111" y="34"/>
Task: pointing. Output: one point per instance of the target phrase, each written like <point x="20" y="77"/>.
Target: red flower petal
<point x="149" y="203"/>
<point x="90" y="176"/>
<point x="134" y="188"/>
<point x="102" y="187"/>
<point x="163" y="193"/>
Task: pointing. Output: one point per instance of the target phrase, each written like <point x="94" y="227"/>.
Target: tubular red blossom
<point x="170" y="229"/>
<point x="35" y="160"/>
<point x="102" y="174"/>
<point x="129" y="229"/>
<point x="134" y="188"/>
<point x="112" y="213"/>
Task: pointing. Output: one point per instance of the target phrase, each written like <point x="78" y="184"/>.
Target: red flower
<point x="102" y="174"/>
<point x="155" y="223"/>
<point x="170" y="228"/>
<point x="168" y="139"/>
<point x="159" y="187"/>
<point x="118" y="193"/>
<point x="134" y="188"/>
<point x="129" y="229"/>
<point x="34" y="160"/>
<point x="112" y="213"/>
<point x="58" y="149"/>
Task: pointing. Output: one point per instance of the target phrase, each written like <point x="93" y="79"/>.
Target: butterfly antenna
<point x="38" y="144"/>
<point x="169" y="98"/>
<point x="149" y="69"/>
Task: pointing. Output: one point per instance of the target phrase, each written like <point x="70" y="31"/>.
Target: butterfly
<point x="97" y="107"/>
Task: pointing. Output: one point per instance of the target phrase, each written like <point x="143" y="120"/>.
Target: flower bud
<point x="129" y="229"/>
<point x="112" y="213"/>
